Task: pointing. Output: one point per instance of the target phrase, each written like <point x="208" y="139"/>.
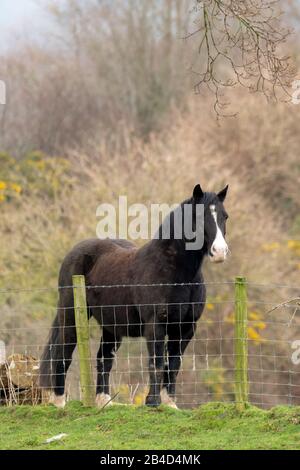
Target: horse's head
<point x="215" y="217"/>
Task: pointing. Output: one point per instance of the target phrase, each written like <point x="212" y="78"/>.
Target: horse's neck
<point x="177" y="263"/>
<point x="188" y="262"/>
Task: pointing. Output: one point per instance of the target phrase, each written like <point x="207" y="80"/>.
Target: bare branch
<point x="295" y="301"/>
<point x="241" y="40"/>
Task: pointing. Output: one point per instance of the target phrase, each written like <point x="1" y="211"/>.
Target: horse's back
<point x="83" y="257"/>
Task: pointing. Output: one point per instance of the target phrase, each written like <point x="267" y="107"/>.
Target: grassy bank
<point x="212" y="426"/>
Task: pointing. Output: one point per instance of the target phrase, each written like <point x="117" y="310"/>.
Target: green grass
<point x="212" y="426"/>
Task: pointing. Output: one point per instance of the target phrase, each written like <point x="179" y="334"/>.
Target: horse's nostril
<point x="219" y="250"/>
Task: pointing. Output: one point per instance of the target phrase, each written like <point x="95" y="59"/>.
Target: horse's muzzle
<point x="219" y="257"/>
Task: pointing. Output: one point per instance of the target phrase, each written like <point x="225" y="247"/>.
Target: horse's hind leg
<point x="57" y="354"/>
<point x="105" y="357"/>
<point x="178" y="341"/>
<point x="63" y="355"/>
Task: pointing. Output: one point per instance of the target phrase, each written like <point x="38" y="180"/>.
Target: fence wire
<point x="208" y="366"/>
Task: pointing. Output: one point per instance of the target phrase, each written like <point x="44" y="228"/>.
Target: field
<point x="145" y="100"/>
<point x="211" y="426"/>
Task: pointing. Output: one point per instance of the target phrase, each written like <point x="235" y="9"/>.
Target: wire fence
<point x="209" y="369"/>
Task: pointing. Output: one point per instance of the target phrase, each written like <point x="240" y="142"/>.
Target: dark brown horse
<point x="156" y="291"/>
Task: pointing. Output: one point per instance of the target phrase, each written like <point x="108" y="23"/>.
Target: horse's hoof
<point x="153" y="401"/>
<point x="103" y="399"/>
<point x="58" y="400"/>
<point x="167" y="400"/>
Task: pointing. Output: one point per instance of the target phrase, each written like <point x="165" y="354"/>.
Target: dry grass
<point x="256" y="153"/>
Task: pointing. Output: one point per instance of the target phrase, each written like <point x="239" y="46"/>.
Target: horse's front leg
<point x="155" y="336"/>
<point x="178" y="340"/>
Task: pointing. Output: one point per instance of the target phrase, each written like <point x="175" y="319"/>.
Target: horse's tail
<point x="51" y="355"/>
<point x="57" y="353"/>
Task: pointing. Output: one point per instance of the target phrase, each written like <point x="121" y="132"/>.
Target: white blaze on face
<point x="219" y="248"/>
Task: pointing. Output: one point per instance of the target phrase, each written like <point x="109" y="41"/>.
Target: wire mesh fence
<point x="208" y="369"/>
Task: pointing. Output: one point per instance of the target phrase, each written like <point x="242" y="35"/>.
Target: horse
<point x="156" y="291"/>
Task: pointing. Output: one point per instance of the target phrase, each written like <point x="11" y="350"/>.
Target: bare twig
<point x="287" y="302"/>
<point x="241" y="39"/>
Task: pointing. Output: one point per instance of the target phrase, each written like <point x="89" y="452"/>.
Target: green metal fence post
<point x="241" y="343"/>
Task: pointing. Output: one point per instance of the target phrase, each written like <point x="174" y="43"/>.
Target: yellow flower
<point x="257" y="321"/>
<point x="254" y="316"/>
<point x="210" y="306"/>
<point x="2" y="197"/>
<point x="139" y="399"/>
<point x="252" y="334"/>
<point x="3" y="185"/>
<point x="271" y="246"/>
<point x="16" y="187"/>
<point x="292" y="244"/>
<point x="260" y="325"/>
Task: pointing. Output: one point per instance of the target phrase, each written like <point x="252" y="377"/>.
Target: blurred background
<point x="102" y="101"/>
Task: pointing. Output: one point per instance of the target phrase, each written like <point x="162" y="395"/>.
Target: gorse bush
<point x="36" y="174"/>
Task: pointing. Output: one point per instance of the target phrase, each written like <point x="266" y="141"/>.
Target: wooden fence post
<point x="83" y="341"/>
<point x="241" y="343"/>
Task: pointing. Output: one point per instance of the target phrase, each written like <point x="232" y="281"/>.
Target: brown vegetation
<point x="107" y="109"/>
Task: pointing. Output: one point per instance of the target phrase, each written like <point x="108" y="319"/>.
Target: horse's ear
<point x="222" y="194"/>
<point x="197" y="193"/>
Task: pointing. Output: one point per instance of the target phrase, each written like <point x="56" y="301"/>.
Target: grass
<point x="212" y="426"/>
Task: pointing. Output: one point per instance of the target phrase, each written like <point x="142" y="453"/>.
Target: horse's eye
<point x="226" y="216"/>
